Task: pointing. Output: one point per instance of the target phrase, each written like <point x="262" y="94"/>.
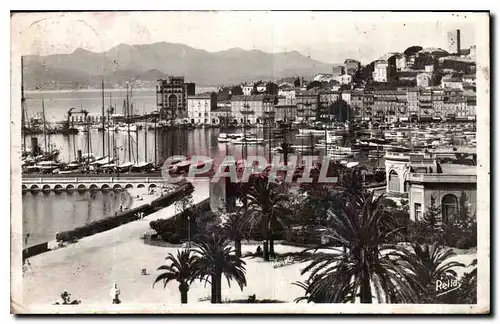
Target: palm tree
<point x="432" y="263"/>
<point x="266" y="210"/>
<point x="216" y="257"/>
<point x="360" y="262"/>
<point x="233" y="229"/>
<point x="468" y="288"/>
<point x="183" y="269"/>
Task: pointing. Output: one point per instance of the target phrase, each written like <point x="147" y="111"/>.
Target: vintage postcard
<point x="250" y="162"/>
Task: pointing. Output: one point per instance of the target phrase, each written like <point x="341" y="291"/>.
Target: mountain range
<point x="153" y="61"/>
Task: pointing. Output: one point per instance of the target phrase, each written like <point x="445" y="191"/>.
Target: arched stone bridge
<point x="60" y="184"/>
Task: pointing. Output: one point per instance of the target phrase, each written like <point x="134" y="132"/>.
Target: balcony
<point x="443" y="178"/>
<point x="395" y="194"/>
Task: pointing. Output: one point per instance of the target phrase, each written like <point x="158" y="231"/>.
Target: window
<point x="393" y="181"/>
<point x="418" y="211"/>
<point x="172" y="102"/>
<point x="449" y="207"/>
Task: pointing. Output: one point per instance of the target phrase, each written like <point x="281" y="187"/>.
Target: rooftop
<point x="458" y="169"/>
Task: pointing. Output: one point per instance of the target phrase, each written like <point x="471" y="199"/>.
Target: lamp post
<point x="189" y="232"/>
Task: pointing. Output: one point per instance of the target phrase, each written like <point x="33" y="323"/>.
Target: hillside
<point x="149" y="62"/>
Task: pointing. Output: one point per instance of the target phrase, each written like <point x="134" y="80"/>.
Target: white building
<point x="380" y="71"/>
<point x="288" y="93"/>
<point x="343" y="79"/>
<point x="424" y="80"/>
<point x="454" y="42"/>
<point x="247" y="89"/>
<point x="429" y="68"/>
<point x="261" y="88"/>
<point x="346" y="96"/>
<point x="200" y="106"/>
<point x="452" y="82"/>
<point x="401" y="62"/>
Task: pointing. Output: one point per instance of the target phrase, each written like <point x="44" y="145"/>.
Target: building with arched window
<point x="171" y="98"/>
<point x="416" y="177"/>
<point x="453" y="189"/>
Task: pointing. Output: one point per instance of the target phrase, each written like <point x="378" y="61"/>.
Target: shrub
<point x="175" y="239"/>
<point x="166" y="237"/>
<point x="161" y="226"/>
<point x="459" y="236"/>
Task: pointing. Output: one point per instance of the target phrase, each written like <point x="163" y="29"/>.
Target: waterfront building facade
<point x="307" y="104"/>
<point x="221" y="115"/>
<point x="200" y="106"/>
<point x="171" y="98"/>
<point x="254" y="109"/>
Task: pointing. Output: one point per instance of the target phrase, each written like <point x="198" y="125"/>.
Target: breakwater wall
<point x="35" y="250"/>
<point x="126" y="216"/>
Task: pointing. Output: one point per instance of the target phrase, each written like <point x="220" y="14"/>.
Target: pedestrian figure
<point x="121" y="208"/>
<point x="115" y="294"/>
<point x="26" y="239"/>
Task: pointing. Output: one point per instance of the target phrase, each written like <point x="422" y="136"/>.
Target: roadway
<point x="92" y="175"/>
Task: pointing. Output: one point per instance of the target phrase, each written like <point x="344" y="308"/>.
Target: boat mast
<point x="23" y="106"/>
<point x="155" y="137"/>
<point x="243" y="153"/>
<point x="109" y="108"/>
<point x="127" y="107"/>
<point x="103" y="120"/>
<point x="44" y="127"/>
<point x="145" y="138"/>
<point x="137" y="144"/>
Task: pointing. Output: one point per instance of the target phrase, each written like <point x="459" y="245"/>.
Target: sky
<point x="330" y="37"/>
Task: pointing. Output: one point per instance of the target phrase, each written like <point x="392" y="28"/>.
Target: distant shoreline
<point x="99" y="90"/>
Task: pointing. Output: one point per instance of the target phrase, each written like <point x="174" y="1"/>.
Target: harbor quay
<point x="88" y="182"/>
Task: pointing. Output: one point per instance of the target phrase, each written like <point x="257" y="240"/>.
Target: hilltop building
<point x="454" y="42"/>
<point x="351" y="66"/>
<point x="381" y="71"/>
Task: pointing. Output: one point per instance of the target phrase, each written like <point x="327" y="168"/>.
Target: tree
<point x="363" y="262"/>
<point x="321" y="198"/>
<point x="412" y="50"/>
<point x="314" y="85"/>
<point x="468" y="288"/>
<point x="184" y="269"/>
<point x="186" y="209"/>
<point x="272" y="88"/>
<point x="217" y="258"/>
<point x="351" y="181"/>
<point x="297" y="82"/>
<point x="432" y="263"/>
<point x="233" y="229"/>
<point x="430" y="221"/>
<point x="236" y="91"/>
<point x="266" y="210"/>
